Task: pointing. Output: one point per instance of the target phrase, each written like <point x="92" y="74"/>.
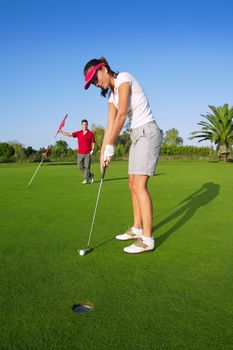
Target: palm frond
<point x="217" y="126"/>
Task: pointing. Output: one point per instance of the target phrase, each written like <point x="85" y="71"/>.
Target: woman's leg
<point x="136" y="230"/>
<point x="137" y="217"/>
<point x="142" y="203"/>
<point x="143" y="210"/>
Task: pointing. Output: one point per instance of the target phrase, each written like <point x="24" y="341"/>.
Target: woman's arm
<point x="112" y="112"/>
<point x="123" y="93"/>
<point x="116" y="122"/>
<point x="122" y="111"/>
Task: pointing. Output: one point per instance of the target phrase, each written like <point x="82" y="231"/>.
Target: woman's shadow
<point x="190" y="205"/>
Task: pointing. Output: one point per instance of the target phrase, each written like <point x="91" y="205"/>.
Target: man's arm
<point x="66" y="133"/>
<point x="92" y="148"/>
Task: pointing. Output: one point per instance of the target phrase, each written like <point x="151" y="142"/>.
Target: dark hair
<point x="96" y="61"/>
<point x="84" y="121"/>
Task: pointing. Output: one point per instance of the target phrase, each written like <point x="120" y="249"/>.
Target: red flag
<point x="61" y="125"/>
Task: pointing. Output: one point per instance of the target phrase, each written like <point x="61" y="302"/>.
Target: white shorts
<point x="145" y="149"/>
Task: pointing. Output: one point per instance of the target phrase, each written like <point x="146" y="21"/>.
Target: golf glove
<point x="108" y="152"/>
<point x="91" y="152"/>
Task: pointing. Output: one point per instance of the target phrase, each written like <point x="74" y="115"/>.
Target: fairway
<point x="177" y="297"/>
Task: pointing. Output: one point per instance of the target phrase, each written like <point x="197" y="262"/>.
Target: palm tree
<point x="218" y="129"/>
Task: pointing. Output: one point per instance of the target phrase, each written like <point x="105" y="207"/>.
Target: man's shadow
<point x="190" y="205"/>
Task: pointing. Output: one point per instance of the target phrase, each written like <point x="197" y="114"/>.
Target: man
<point x="86" y="145"/>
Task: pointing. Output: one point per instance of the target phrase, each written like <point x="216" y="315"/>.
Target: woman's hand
<point x="102" y="162"/>
<point x="108" y="153"/>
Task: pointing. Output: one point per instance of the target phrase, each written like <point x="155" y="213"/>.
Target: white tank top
<point x="139" y="111"/>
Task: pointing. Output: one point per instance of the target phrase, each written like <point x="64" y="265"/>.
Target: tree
<point x="123" y="143"/>
<point x="172" y="138"/>
<point x="29" y="151"/>
<point x="218" y="129"/>
<point x="19" y="149"/>
<point x="60" y="149"/>
<point x="98" y="132"/>
<point x="6" y="151"/>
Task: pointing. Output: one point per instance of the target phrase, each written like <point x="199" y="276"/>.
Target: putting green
<point x="178" y="297"/>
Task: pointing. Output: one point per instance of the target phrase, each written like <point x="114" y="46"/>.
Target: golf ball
<point x="81" y="252"/>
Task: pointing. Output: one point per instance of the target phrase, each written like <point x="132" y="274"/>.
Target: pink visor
<point x="90" y="74"/>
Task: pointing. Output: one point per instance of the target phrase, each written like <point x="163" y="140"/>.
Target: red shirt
<point x="84" y="141"/>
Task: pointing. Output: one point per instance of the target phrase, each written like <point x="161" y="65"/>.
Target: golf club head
<point x="84" y="251"/>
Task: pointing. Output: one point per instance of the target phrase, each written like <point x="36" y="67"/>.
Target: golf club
<point x="88" y="249"/>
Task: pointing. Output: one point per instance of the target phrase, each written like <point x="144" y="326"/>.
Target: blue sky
<point x="180" y="51"/>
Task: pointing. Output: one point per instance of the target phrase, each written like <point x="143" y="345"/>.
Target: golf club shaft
<point x="97" y="201"/>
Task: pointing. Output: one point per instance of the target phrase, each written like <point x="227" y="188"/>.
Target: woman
<point x="126" y="98"/>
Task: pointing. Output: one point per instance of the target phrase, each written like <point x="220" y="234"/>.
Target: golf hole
<point x="82" y="308"/>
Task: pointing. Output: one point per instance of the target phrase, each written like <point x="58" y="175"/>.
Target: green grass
<point x="178" y="297"/>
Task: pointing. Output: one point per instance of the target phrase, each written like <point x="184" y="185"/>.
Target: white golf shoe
<point x="85" y="182"/>
<point x="139" y="246"/>
<point x="129" y="234"/>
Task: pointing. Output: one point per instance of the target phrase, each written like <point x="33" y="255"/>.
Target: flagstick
<point x="43" y="156"/>
<point x="35" y="172"/>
